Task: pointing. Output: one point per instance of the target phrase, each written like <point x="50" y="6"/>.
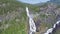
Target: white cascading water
<point x="31" y="22"/>
<point x="51" y="29"/>
<point x="33" y="27"/>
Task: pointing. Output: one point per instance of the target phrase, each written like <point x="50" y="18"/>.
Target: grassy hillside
<point x="9" y="5"/>
<point x="13" y="17"/>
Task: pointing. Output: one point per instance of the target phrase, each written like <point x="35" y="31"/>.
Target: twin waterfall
<point x="33" y="26"/>
<point x="31" y="22"/>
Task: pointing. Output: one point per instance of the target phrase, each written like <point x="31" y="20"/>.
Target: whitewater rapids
<point x="51" y="29"/>
<point x="31" y="22"/>
<point x="33" y="26"/>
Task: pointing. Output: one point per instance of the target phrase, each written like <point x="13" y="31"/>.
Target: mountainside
<point x="55" y="1"/>
<point x="13" y="18"/>
<point x="48" y="15"/>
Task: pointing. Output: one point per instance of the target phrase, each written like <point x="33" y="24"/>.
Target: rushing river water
<point x="33" y="26"/>
<point x="31" y="22"/>
<point x="50" y="31"/>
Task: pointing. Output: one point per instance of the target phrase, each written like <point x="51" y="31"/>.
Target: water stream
<point x="49" y="31"/>
<point x="31" y="22"/>
<point x="33" y="26"/>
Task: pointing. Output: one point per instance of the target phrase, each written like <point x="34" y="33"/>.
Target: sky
<point x="33" y="1"/>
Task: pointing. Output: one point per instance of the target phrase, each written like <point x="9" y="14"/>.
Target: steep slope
<point x="48" y="13"/>
<point x="12" y="17"/>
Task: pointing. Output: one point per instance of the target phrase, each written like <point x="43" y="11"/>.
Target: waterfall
<point x="31" y="22"/>
<point x="33" y="26"/>
<point x="51" y="29"/>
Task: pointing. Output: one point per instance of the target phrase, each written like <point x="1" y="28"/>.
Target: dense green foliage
<point x="14" y="27"/>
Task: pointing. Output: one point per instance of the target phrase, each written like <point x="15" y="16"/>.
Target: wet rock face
<point x="57" y="25"/>
<point x="55" y="29"/>
<point x="37" y="23"/>
<point x="58" y="17"/>
<point x="37" y="30"/>
<point x="50" y="33"/>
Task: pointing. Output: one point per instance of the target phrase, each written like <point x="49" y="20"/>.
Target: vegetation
<point x="16" y="25"/>
<point x="13" y="26"/>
